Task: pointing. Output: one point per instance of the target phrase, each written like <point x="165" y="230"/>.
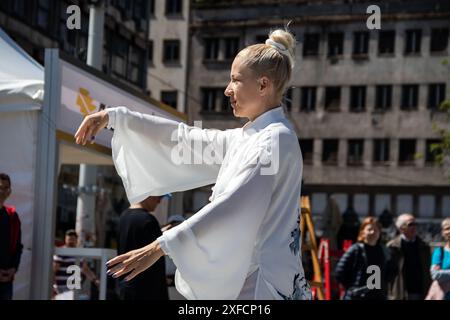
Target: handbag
<point x="357" y="293"/>
<point x="438" y="290"/>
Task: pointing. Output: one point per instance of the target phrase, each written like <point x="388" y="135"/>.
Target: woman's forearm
<point x="441" y="275"/>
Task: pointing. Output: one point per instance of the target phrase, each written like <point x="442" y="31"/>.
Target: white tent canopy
<point x="21" y="95"/>
<point x="21" y="77"/>
<point x="25" y="124"/>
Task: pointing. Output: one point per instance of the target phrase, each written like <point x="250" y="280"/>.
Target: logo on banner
<point x="84" y="102"/>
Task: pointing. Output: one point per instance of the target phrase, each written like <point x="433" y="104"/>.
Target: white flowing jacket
<point x="245" y="243"/>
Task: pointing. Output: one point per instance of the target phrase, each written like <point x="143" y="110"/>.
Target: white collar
<point x="406" y="239"/>
<point x="263" y="120"/>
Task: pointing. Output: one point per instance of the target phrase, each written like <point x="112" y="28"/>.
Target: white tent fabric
<point x="21" y="77"/>
<point x="21" y="95"/>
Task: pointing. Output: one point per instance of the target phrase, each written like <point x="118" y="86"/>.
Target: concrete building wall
<point x="169" y="76"/>
<point x="369" y="186"/>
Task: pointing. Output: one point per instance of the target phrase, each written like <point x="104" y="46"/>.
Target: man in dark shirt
<point x="10" y="240"/>
<point x="138" y="228"/>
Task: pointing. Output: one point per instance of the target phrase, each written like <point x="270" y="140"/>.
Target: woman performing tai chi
<point x="245" y="243"/>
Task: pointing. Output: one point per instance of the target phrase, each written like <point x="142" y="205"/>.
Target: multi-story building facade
<point x="39" y="24"/>
<point x="362" y="101"/>
<point x="168" y="52"/>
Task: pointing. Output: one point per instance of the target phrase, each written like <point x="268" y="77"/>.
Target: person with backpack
<point x="440" y="267"/>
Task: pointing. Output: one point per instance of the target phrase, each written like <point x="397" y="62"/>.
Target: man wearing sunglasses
<point x="412" y="256"/>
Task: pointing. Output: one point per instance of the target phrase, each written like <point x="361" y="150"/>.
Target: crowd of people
<point x="408" y="269"/>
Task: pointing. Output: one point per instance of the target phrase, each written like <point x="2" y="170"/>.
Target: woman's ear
<point x="264" y="84"/>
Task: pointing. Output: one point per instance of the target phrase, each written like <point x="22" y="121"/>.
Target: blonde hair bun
<point x="284" y="42"/>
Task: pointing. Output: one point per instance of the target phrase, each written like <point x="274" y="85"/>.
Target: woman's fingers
<point x="134" y="274"/>
<point x="117" y="259"/>
<point x="90" y="131"/>
<point x="90" y="126"/>
<point x="121" y="272"/>
<point x="116" y="268"/>
<point x="83" y="130"/>
<point x="80" y="132"/>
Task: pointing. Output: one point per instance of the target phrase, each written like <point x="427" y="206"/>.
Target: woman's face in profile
<point x="243" y="91"/>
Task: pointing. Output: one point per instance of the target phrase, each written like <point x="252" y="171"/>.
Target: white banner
<point x="83" y="93"/>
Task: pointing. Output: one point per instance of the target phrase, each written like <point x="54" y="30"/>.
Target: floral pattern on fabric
<point x="294" y="246"/>
<point x="301" y="289"/>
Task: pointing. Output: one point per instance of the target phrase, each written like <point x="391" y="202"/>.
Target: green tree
<point x="441" y="149"/>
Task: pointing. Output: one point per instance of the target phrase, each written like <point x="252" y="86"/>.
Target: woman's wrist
<point x="159" y="250"/>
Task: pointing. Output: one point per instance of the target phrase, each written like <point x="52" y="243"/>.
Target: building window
<point x="381" y="150"/>
<point x="66" y="37"/>
<point x="231" y="48"/>
<point x="332" y="98"/>
<point x="173" y="7"/>
<point x="410" y="95"/>
<point x="436" y="94"/>
<point x="141" y="14"/>
<point x="170" y="98"/>
<point x="357" y="98"/>
<point x="407" y="152"/>
<point x="335" y="44"/>
<point x="386" y="42"/>
<point x="19" y="8"/>
<point x="360" y="43"/>
<point x="211" y="49"/>
<point x="431" y="150"/>
<point x="119" y="56"/>
<point x="427" y="206"/>
<point x="308" y="99"/>
<point x="210" y="100"/>
<point x="261" y="38"/>
<point x="226" y="105"/>
<point x="355" y="152"/>
<point x="43" y="14"/>
<point x="311" y="44"/>
<point x="171" y="53"/>
<point x="330" y="151"/>
<point x="439" y="40"/>
<point x="135" y="61"/>
<point x="404" y="203"/>
<point x="287" y="99"/>
<point x="151" y="7"/>
<point x="413" y="41"/>
<point x="307" y="147"/>
<point x="212" y="103"/>
<point x="150" y="52"/>
<point x="383" y="97"/>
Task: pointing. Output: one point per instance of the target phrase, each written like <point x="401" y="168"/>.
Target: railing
<point x="94" y="253"/>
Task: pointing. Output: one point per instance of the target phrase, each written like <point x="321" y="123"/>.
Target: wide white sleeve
<point x="155" y="155"/>
<point x="212" y="250"/>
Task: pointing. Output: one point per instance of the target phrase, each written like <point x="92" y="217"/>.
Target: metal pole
<point x="85" y="221"/>
<point x="95" y="40"/>
<point x="46" y="181"/>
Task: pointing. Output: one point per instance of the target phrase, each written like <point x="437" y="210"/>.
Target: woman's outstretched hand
<point x="135" y="261"/>
<point x="90" y="126"/>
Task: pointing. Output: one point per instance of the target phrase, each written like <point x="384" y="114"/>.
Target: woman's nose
<point x="228" y="92"/>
